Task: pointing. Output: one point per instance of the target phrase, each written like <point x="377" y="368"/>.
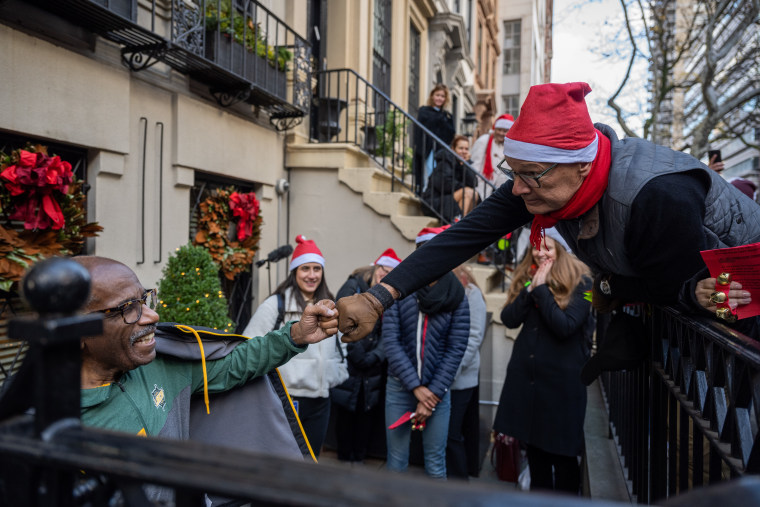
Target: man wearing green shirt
<point x="126" y="387"/>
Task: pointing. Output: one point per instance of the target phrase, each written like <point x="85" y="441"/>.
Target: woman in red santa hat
<point x="310" y="376"/>
<point x="359" y="401"/>
<point x="488" y="150"/>
<point x="424" y="336"/>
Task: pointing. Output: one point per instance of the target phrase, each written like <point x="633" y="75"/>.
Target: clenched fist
<point x="317" y="323"/>
<point x="357" y="316"/>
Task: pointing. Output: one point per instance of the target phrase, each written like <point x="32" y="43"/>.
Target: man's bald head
<point x="122" y="346"/>
<point x="100" y="269"/>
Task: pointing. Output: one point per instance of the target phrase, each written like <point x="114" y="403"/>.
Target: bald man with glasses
<point x="127" y="387"/>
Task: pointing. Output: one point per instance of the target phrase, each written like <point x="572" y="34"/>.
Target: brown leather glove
<point x="357" y="316"/>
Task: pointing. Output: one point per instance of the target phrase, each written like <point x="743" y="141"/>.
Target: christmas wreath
<point x="43" y="209"/>
<point x="229" y="227"/>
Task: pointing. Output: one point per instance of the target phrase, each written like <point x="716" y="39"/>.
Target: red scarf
<point x="487" y="166"/>
<point x="592" y="189"/>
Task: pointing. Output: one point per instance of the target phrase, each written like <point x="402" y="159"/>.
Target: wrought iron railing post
<point x="55" y="289"/>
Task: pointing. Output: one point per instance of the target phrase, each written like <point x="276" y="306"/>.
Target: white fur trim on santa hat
<point x="555" y="235"/>
<point x="307" y="257"/>
<point x="503" y="123"/>
<point x="540" y="153"/>
<point x="388" y="259"/>
<point x="425" y="237"/>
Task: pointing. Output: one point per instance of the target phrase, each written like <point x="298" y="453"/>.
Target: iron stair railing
<point x="348" y="109"/>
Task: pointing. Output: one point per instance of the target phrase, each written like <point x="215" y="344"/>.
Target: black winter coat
<point x="366" y="362"/>
<point x="437" y="121"/>
<point x="448" y="176"/>
<point x="543" y="401"/>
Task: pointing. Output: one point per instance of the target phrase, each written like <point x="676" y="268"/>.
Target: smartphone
<point x="712" y="153"/>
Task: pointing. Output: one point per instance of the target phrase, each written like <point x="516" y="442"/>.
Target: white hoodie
<point x="313" y="372"/>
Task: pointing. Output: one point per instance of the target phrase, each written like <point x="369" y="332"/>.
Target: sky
<point x="582" y="29"/>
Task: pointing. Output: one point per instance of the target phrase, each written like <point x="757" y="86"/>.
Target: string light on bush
<point x="194" y="293"/>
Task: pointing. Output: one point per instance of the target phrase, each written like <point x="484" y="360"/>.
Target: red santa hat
<point x="429" y="233"/>
<point x="504" y="121"/>
<point x="388" y="259"/>
<point x="553" y="126"/>
<point x="306" y="251"/>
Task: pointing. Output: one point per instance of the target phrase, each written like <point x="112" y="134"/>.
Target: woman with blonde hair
<point x="543" y="401"/>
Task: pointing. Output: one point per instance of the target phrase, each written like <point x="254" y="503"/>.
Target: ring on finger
<point x="718" y="297"/>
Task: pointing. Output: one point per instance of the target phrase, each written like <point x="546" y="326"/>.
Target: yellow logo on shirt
<point x="159" y="397"/>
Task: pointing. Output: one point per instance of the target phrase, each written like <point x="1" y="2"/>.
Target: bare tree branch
<point x="611" y="101"/>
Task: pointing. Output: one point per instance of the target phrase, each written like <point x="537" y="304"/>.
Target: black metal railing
<point x="238" y="48"/>
<point x="348" y="109"/>
<point x="688" y="416"/>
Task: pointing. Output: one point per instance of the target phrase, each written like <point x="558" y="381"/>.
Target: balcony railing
<point x="238" y="48"/>
<point x="688" y="416"/>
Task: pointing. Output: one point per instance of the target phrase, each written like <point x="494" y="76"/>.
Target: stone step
<point x="399" y="204"/>
<point x="487" y="277"/>
<point x="370" y="179"/>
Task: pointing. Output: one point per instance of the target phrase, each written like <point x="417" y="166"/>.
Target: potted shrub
<point x="235" y="43"/>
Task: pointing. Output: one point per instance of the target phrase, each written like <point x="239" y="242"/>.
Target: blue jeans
<point x="398" y="401"/>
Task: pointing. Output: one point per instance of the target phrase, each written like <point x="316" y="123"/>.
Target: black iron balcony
<point x="238" y="48"/>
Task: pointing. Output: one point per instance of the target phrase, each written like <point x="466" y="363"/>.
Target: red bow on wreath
<point x="246" y="207"/>
<point x="31" y="182"/>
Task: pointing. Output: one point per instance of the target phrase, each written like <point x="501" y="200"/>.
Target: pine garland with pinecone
<point x="190" y="291"/>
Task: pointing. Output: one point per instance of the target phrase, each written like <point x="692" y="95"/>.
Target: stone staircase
<point x="397" y="203"/>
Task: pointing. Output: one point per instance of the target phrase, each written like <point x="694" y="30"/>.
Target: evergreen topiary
<point x="190" y="292"/>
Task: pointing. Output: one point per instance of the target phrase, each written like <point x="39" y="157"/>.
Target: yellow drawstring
<point x="303" y="432"/>
<point x="203" y="363"/>
<point x="189" y="329"/>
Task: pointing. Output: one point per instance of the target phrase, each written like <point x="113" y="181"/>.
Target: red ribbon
<point x="246" y="208"/>
<point x="31" y="182"/>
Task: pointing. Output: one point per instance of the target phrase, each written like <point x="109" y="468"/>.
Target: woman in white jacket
<point x="310" y="375"/>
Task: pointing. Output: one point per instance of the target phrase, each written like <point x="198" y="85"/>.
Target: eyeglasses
<point x="531" y="181"/>
<point x="131" y="311"/>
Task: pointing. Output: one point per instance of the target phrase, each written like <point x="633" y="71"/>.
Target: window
<point x="414" y="70"/>
<point x="511" y="104"/>
<point x="511" y="50"/>
<point x="468" y="21"/>
<point x="381" y="48"/>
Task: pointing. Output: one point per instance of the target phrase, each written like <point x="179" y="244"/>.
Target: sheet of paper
<point x="743" y="262"/>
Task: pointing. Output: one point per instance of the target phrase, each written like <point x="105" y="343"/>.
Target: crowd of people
<point x="400" y="342"/>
